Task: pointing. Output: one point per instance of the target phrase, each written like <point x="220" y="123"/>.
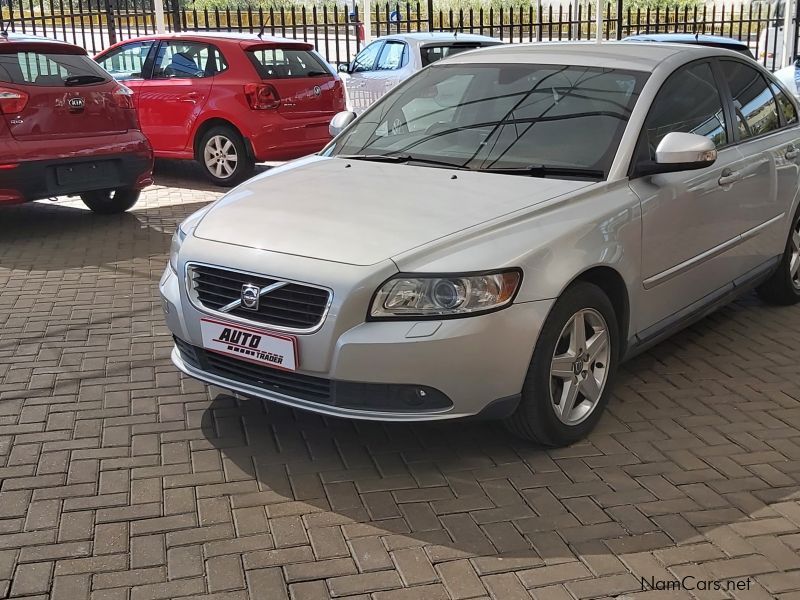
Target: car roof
<point x="613" y="55"/>
<point x="232" y="36"/>
<point x="687" y="38"/>
<point x="12" y="37"/>
<point x="36" y="42"/>
<point x="422" y="38"/>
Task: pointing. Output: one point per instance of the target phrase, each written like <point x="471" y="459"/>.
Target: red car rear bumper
<point x="274" y="137"/>
<point x="42" y="169"/>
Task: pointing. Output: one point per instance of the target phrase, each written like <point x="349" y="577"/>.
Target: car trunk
<point x="307" y="88"/>
<point x="59" y="94"/>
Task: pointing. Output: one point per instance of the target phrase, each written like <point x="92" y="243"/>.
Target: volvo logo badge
<point x="317" y="90"/>
<point x="250" y="296"/>
<point x="75" y="103"/>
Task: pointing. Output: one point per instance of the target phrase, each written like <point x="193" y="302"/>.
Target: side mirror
<point x="340" y="121"/>
<point x="681" y="152"/>
<point x="343" y="68"/>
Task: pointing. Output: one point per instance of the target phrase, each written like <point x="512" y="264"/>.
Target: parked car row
<point x="496" y="235"/>
<point x="66" y="127"/>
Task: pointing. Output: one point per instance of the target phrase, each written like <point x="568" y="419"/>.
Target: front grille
<point x="294" y="306"/>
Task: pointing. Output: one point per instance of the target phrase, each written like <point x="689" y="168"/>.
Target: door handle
<point x="728" y="177"/>
<point x="190" y="97"/>
<point x="791" y="152"/>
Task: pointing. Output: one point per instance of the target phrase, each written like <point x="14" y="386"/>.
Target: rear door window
<point x="786" y="106"/>
<point x="430" y="54"/>
<point x="49" y="69"/>
<point x="392" y="56"/>
<point x="188" y="60"/>
<point x="126" y="62"/>
<point x="755" y="106"/>
<point x="285" y="63"/>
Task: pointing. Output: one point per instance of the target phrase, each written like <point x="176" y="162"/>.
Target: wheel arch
<point x="208" y="124"/>
<point x="613" y="285"/>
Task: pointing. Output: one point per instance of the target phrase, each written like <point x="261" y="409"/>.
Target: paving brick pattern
<point x="122" y="480"/>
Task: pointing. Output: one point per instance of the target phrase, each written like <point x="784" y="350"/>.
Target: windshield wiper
<point x="317" y="74"/>
<point x="547" y="171"/>
<point x="83" y="80"/>
<point x="403" y="159"/>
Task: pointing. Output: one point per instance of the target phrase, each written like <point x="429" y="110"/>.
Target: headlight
<point x="175" y="246"/>
<point x="444" y="295"/>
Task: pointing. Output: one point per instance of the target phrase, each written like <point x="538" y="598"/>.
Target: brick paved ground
<point x="119" y="479"/>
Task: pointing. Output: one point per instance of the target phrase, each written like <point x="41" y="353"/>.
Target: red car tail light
<point x="262" y="96"/>
<point x="123" y="97"/>
<point x="12" y="101"/>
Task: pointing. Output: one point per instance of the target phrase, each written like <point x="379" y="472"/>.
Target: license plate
<point x="94" y="172"/>
<point x="253" y="345"/>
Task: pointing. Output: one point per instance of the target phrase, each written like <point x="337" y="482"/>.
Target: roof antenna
<point x="4" y="33"/>
<point x="261" y="31"/>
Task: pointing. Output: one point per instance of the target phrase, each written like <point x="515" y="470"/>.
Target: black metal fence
<point x="337" y="30"/>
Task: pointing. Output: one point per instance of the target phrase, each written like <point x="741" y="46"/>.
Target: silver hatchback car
<point x="495" y="236"/>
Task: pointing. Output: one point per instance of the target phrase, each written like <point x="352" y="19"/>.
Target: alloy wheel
<point x="580" y="366"/>
<point x="794" y="260"/>
<point x="220" y="156"/>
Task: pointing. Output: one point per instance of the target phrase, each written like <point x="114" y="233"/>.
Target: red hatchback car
<point x="67" y="128"/>
<point x="228" y="100"/>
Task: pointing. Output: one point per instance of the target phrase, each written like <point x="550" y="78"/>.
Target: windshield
<point x="501" y="117"/>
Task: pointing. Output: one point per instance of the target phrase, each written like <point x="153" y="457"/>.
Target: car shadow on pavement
<point x="187" y="174"/>
<point x="50" y="236"/>
<point x="694" y="455"/>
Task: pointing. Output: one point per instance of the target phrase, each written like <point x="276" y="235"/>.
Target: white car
<point x="789" y="76"/>
<point x="390" y="59"/>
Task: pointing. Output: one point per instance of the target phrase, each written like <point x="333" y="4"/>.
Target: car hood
<point x="362" y="213"/>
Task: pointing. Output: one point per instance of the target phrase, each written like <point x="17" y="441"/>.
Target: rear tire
<point x="223" y="156"/>
<point x="111" y="202"/>
<point x="783" y="287"/>
<point x="572" y="370"/>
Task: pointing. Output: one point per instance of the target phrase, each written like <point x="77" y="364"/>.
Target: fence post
<point x="177" y="23"/>
<point x="430" y="15"/>
<point x="619" y="19"/>
<point x="110" y="22"/>
<point x="158" y="13"/>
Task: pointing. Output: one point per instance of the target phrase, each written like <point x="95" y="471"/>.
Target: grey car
<point x="495" y="236"/>
<point x="391" y="59"/>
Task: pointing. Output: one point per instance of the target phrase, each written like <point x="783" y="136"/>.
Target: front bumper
<point x="468" y="366"/>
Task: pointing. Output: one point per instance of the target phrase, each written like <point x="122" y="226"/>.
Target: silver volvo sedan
<point x="495" y="236"/>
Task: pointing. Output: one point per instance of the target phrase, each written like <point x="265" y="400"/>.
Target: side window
<point x="688" y="102"/>
<point x="365" y="61"/>
<point x="126" y="62"/>
<point x="192" y="60"/>
<point x="391" y="57"/>
<point x="755" y="106"/>
<point x="784" y="104"/>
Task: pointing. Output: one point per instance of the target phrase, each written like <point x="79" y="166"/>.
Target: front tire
<point x="223" y="156"/>
<point x="111" y="202"/>
<point x="783" y="287"/>
<point x="570" y="376"/>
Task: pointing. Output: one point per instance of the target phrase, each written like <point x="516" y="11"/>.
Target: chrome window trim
<point x="195" y="301"/>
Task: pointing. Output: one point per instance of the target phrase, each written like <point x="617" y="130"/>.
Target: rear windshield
<point x="430" y="54"/>
<point x="49" y="69"/>
<point x="279" y="63"/>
